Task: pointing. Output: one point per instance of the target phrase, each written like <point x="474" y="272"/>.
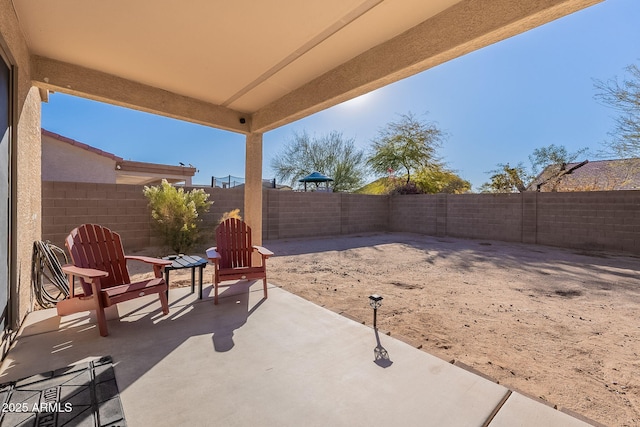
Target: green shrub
<point x="406" y="188"/>
<point x="176" y="214"/>
<point x="235" y="213"/>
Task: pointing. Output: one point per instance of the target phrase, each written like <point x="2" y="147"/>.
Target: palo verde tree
<point x="177" y="213"/>
<point x="407" y="145"/>
<point x="331" y="155"/>
<point x="440" y="180"/>
<point x="624" y="97"/>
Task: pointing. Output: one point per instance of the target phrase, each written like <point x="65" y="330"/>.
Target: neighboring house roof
<point x="600" y="175"/>
<point x="125" y="171"/>
<point x="81" y="145"/>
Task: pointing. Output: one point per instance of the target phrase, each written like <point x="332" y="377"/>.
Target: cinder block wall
<point x="595" y="220"/>
<point x="289" y="214"/>
<point x="363" y="213"/>
<point x="485" y="216"/>
<point x="417" y="214"/>
<point x="123" y="208"/>
<point x="586" y="220"/>
<point x="589" y="220"/>
<point x="223" y="201"/>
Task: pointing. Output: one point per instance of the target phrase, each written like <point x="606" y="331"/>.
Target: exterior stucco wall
<point x="28" y="200"/>
<point x="26" y="151"/>
<point x="64" y="162"/>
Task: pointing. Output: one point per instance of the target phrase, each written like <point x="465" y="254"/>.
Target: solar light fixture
<point x="375" y="301"/>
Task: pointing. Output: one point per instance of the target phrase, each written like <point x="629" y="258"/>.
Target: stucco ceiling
<point x="268" y="62"/>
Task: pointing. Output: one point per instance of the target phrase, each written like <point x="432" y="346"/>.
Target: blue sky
<point x="496" y="105"/>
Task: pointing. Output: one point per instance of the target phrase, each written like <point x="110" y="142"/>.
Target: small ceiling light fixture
<point x="375" y="301"/>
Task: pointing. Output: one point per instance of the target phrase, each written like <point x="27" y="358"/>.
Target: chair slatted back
<point x="97" y="247"/>
<point x="233" y="240"/>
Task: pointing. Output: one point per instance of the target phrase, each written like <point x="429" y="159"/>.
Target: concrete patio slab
<point x="280" y="361"/>
<point x="521" y="411"/>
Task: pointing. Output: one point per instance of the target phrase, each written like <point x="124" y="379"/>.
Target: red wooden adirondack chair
<point x="233" y="255"/>
<point x="99" y="261"/>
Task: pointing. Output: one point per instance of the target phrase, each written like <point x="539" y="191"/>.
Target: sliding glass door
<point x="5" y="191"/>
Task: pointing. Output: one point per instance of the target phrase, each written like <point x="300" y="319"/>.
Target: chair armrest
<point x="266" y="253"/>
<point x="213" y="254"/>
<point x="85" y="273"/>
<point x="148" y="260"/>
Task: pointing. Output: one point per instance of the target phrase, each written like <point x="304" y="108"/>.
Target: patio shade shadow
<point x="135" y="329"/>
<point x="223" y="331"/>
<point x="275" y="367"/>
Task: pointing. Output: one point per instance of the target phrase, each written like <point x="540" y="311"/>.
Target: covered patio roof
<point x="252" y="67"/>
<point x="244" y="67"/>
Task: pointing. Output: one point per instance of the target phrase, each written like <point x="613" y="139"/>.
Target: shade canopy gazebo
<point x="316" y="178"/>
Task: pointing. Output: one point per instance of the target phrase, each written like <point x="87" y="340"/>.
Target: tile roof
<point x="81" y="145"/>
<point x="130" y="171"/>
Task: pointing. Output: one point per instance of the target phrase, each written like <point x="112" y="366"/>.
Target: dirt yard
<point x="561" y="325"/>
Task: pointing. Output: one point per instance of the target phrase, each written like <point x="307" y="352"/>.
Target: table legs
<point x="166" y="279"/>
<point x="193" y="279"/>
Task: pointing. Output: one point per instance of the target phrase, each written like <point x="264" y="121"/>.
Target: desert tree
<point x="331" y="154"/>
<point x="549" y="164"/>
<point x="551" y="160"/>
<point x="441" y="180"/>
<point x="506" y="179"/>
<point x="623" y="96"/>
<point x="554" y="156"/>
<point x="408" y="144"/>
